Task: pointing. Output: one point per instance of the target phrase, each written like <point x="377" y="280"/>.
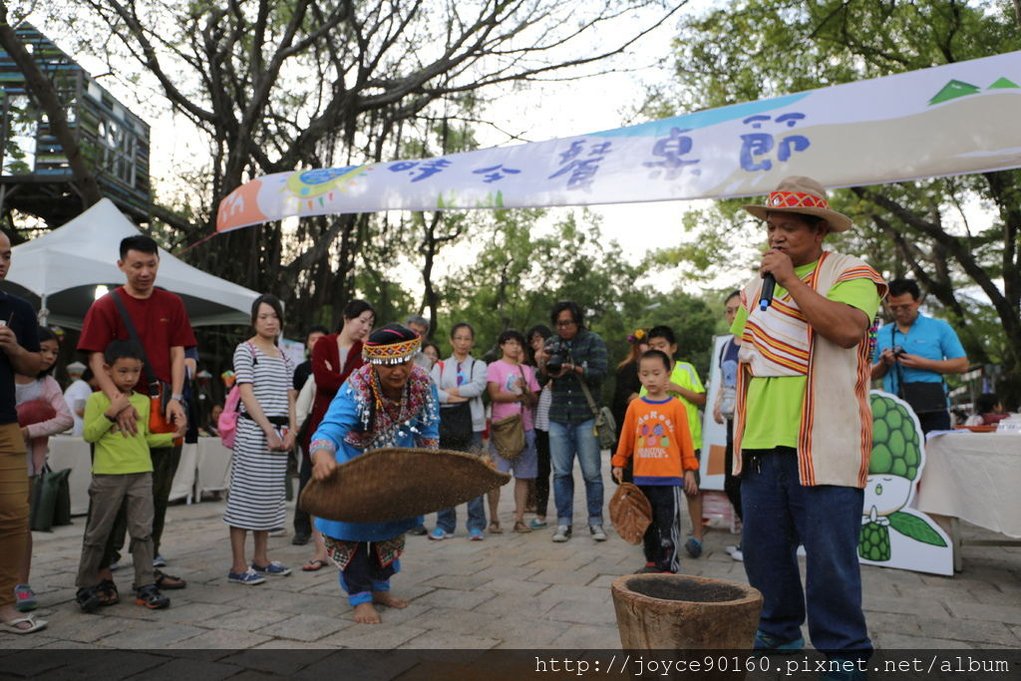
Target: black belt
<point x="275" y="420"/>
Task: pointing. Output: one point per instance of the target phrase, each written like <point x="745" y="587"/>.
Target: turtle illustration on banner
<point x="916" y="542"/>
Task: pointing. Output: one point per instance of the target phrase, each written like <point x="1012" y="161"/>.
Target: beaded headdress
<point x="391" y="344"/>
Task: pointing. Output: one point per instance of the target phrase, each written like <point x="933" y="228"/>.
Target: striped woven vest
<point x="835" y="432"/>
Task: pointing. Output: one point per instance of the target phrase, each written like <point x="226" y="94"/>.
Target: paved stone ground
<point x="510" y="591"/>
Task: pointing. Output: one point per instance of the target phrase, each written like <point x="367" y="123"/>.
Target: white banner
<point x="949" y="120"/>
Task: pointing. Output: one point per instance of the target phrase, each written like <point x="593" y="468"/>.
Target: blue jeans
<point x="566" y="440"/>
<point x="446" y="519"/>
<point x="779" y="513"/>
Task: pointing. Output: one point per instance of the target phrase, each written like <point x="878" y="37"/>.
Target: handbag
<point x="159" y="391"/>
<point x="227" y="422"/>
<point x="508" y="436"/>
<point x="51" y="500"/>
<point x="456" y="426"/>
<point x="605" y="425"/>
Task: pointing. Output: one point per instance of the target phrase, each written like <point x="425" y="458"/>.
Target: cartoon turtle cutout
<point x="894" y="468"/>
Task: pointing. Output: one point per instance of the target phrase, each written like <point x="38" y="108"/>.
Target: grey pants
<point x="106" y="494"/>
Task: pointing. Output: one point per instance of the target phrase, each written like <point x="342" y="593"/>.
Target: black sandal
<point x="106" y="590"/>
<point x="168" y="582"/>
<point x="150" y="597"/>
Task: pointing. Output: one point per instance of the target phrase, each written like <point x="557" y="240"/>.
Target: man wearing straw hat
<point x="388" y="402"/>
<point x="803" y="425"/>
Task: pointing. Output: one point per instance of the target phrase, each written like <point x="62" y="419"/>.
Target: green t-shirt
<point x="116" y="454"/>
<point x="774" y="403"/>
<point x="685" y="375"/>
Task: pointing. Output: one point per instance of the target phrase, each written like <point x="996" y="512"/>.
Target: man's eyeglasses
<point x="565" y="322"/>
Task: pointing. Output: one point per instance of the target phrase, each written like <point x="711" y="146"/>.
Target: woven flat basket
<point x="395" y="483"/>
<point x="630" y="513"/>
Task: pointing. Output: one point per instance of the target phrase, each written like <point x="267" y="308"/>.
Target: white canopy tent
<point x="59" y="272"/>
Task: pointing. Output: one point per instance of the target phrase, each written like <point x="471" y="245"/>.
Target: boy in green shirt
<point x="121" y="473"/>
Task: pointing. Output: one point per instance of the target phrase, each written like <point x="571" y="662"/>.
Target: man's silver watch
<point x="177" y="396"/>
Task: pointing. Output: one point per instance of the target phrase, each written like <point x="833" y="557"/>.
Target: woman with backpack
<point x="264" y="437"/>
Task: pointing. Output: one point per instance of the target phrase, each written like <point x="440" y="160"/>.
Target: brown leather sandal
<point x="168" y="582"/>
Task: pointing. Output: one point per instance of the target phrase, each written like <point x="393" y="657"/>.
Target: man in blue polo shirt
<point x="914" y="352"/>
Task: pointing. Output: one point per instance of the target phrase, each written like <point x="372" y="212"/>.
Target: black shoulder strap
<point x="898" y="371"/>
<point x="150" y="378"/>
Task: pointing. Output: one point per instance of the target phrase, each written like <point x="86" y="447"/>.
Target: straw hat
<point x="395" y="483"/>
<point x="630" y="513"/>
<point x="804" y="196"/>
<point x="75" y="369"/>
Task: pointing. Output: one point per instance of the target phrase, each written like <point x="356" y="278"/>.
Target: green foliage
<point x="392" y="302"/>
<point x="521" y="270"/>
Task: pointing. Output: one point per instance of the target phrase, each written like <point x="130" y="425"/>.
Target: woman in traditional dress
<point x="389" y="402"/>
<point x="265" y="436"/>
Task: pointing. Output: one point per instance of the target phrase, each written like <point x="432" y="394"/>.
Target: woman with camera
<point x="576" y="364"/>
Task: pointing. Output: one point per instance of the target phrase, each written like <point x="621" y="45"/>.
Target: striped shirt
<point x="256" y="499"/>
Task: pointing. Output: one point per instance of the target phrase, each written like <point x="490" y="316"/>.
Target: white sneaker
<point x="597" y="532"/>
<point x="562" y="534"/>
<point x="738" y="555"/>
<point x="731" y="549"/>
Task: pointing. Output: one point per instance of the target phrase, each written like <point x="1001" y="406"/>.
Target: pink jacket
<point x="39" y="433"/>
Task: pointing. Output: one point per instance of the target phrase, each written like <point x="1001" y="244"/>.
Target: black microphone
<point x="766" y="297"/>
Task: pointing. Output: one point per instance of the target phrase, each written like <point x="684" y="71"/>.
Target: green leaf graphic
<point x="915" y="528"/>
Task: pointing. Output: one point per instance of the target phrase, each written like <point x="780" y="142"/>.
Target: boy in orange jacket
<point x="655" y="433"/>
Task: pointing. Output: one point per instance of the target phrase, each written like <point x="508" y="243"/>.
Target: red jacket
<point x="329" y="376"/>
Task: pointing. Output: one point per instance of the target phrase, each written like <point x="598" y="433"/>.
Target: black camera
<point x="558" y="353"/>
<point x="898" y="350"/>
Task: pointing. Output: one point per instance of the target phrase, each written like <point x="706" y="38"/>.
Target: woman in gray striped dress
<point x="265" y="435"/>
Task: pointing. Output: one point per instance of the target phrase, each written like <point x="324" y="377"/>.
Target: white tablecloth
<point x="183" y="486"/>
<point x="204" y="467"/>
<point x="976" y="477"/>
<point x="213" y="466"/>
<point x="74" y="453"/>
